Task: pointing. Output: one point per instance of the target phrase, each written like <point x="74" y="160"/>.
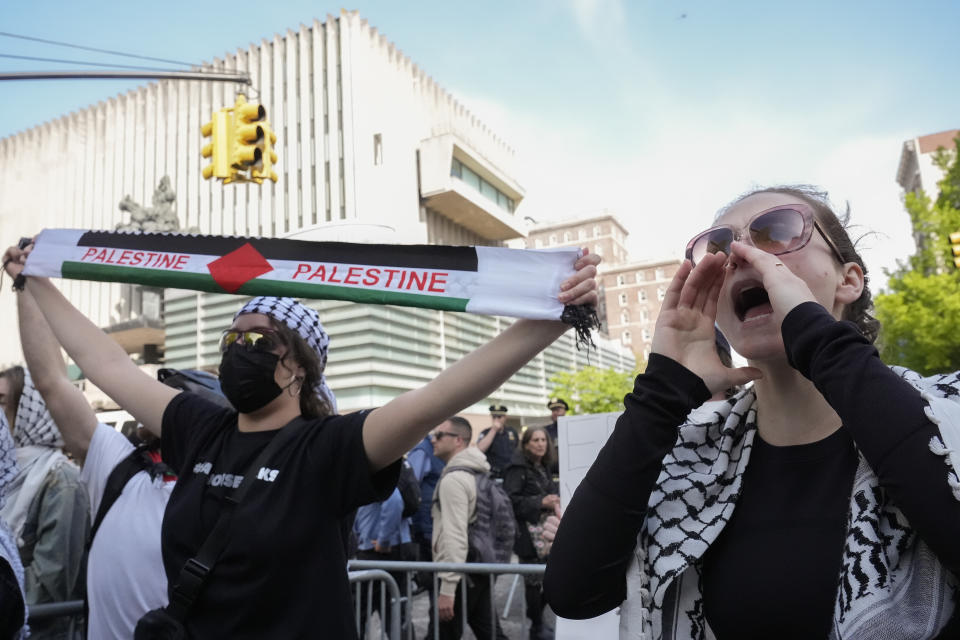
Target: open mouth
<point x="751" y="301"/>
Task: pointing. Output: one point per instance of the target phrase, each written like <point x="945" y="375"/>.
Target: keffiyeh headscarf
<point x="34" y="425"/>
<point x="306" y="322"/>
<point x="38" y="444"/>
<point x="8" y="461"/>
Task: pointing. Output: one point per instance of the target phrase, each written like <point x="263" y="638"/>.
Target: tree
<point x="593" y="390"/>
<point x="920" y="313"/>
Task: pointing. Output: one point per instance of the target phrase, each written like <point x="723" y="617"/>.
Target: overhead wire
<point x="84" y="62"/>
<point x="7" y="34"/>
<point x="209" y="72"/>
<point x="107" y="51"/>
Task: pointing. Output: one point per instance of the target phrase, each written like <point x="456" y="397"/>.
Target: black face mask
<point x="247" y="378"/>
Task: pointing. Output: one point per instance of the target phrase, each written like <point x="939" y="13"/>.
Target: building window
<point x="621" y="281"/>
<point x="625" y="337"/>
<point x="469" y="176"/>
<point x="641" y="276"/>
<point x="553" y="239"/>
<point x="377" y="149"/>
<point x="624" y="317"/>
<point x="567" y="236"/>
<point x="581" y="234"/>
<point x="644" y="315"/>
<point x="645" y="334"/>
<point x="599" y="251"/>
<point x="642" y="295"/>
<point x="661" y="293"/>
<point x="539" y="243"/>
<point x="596" y="231"/>
<point x="623" y="298"/>
<point x="658" y="275"/>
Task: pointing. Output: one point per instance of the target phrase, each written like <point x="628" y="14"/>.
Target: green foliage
<point x="593" y="390"/>
<point x="920" y="311"/>
<point x="921" y="322"/>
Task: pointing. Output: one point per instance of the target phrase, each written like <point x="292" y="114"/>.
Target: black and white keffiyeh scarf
<point x="306" y="322"/>
<point x="892" y="585"/>
<point x="8" y="544"/>
<point x="34" y="425"/>
<point x="38" y="443"/>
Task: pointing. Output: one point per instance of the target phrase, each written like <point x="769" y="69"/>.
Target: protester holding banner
<point x="128" y="487"/>
<point x="823" y="501"/>
<point x="281" y="571"/>
<point x="47" y="507"/>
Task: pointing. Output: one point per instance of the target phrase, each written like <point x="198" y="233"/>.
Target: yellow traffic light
<point x="219" y="130"/>
<point x="241" y="140"/>
<point x="268" y="157"/>
<point x="955" y="246"/>
<point x="247" y="134"/>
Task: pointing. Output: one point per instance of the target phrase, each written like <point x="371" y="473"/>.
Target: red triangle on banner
<point x="238" y="267"/>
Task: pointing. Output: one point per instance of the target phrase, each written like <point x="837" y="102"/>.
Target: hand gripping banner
<point x="520" y="283"/>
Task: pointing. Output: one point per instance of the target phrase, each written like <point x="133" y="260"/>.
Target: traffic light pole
<point x="132" y="75"/>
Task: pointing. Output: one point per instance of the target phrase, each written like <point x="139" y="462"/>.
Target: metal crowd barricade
<point x="492" y="570"/>
<point x="71" y="608"/>
<point x="387" y="583"/>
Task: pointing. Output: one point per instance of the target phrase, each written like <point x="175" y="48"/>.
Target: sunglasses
<point x="438" y="435"/>
<point x="778" y="230"/>
<point x="259" y="339"/>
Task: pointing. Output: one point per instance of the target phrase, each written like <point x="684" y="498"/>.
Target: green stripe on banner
<point x="256" y="287"/>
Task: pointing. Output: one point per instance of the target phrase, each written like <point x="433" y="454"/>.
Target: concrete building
<point x="634" y="293"/>
<point x="603" y="234"/>
<point x="916" y="170"/>
<point x="370" y="149"/>
<point x="631" y="291"/>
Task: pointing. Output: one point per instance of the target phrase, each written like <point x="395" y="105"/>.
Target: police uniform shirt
<point x="501" y="449"/>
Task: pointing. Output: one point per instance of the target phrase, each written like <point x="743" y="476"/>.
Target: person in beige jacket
<point x="454" y="507"/>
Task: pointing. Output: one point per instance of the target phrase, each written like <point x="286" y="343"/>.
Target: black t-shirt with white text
<point x="283" y="571"/>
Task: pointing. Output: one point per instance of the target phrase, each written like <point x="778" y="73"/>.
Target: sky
<point x="659" y="112"/>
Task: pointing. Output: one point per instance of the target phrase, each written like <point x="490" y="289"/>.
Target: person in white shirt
<point x="125" y="576"/>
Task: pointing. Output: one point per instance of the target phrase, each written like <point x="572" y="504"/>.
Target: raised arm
<point x="393" y="429"/>
<point x="102" y="360"/>
<point x="69" y="409"/>
<point x="484" y="443"/>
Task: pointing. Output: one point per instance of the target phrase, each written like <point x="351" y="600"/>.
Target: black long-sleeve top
<point x="882" y="414"/>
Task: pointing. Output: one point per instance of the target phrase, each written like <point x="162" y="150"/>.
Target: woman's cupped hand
<point x="685" y="329"/>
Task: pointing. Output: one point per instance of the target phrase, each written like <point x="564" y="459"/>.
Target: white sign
<point x="579" y="439"/>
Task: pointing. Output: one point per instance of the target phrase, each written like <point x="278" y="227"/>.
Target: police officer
<point x="498" y="441"/>
<point x="558" y="407"/>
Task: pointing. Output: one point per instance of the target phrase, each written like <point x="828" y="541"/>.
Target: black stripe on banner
<point x="413" y="256"/>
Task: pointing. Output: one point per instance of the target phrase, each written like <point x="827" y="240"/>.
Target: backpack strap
<point x="130" y="466"/>
<point x="446" y="470"/>
<point x="135" y="462"/>
<point x="193" y="576"/>
<point x="475" y="472"/>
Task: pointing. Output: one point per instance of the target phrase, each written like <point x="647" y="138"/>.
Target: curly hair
<point x="857" y="312"/>
<point x="312" y="405"/>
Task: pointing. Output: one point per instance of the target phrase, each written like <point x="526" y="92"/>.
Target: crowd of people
<point x="812" y="493"/>
<point x="251" y="539"/>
